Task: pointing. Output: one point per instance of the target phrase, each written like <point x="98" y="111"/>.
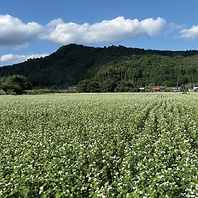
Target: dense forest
<point x="108" y="69"/>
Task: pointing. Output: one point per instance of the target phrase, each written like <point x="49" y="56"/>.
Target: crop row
<point x="99" y="145"/>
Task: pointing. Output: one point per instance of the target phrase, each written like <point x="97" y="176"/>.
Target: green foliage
<point x="14" y="84"/>
<point x="108" y="67"/>
<point x="99" y="145"/>
<point x="132" y="71"/>
<point x="88" y="86"/>
<point x="43" y="91"/>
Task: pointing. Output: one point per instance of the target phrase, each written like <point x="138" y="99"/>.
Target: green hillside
<point x="113" y="68"/>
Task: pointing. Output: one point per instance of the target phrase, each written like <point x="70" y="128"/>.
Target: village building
<point x="158" y="89"/>
<point x="2" y="92"/>
<point x="142" y="89"/>
<point x="175" y="90"/>
<point x="195" y="87"/>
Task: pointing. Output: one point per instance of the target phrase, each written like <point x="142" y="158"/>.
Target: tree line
<point x="108" y="69"/>
<point x="128" y="73"/>
<point x="14" y="84"/>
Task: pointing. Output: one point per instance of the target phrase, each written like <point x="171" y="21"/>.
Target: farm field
<point x="99" y="145"/>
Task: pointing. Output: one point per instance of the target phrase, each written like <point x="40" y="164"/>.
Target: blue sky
<point x="38" y="28"/>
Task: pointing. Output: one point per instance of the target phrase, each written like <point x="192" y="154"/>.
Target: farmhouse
<point x="191" y="90"/>
<point x="157" y="89"/>
<point x="175" y="90"/>
<point x="2" y="92"/>
<point x="195" y="87"/>
<point x="141" y="89"/>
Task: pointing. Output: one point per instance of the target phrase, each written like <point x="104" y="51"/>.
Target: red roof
<point x="155" y="88"/>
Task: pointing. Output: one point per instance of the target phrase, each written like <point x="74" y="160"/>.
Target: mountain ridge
<point x="73" y="63"/>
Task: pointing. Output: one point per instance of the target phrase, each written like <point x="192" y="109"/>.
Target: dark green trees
<point x="14" y="84"/>
<point x="108" y="69"/>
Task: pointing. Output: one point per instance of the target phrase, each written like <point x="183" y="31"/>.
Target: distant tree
<point x="108" y="86"/>
<point x="88" y="86"/>
<point x="15" y="83"/>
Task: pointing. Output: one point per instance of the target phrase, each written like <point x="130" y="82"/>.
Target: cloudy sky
<point x="37" y="28"/>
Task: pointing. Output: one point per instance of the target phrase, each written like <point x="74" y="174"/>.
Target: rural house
<point x="158" y="89"/>
<point x="175" y="90"/>
<point x="195" y="87"/>
<point x="141" y="89"/>
<point x="2" y="92"/>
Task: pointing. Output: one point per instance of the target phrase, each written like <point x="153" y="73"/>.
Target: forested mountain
<point x="114" y="68"/>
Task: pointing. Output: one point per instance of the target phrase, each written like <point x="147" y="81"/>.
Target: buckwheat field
<point x="99" y="145"/>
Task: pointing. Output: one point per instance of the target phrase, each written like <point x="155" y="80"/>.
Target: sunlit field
<point x="99" y="145"/>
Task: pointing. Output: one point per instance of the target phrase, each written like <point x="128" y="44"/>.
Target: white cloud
<point x="55" y="22"/>
<point x="191" y="33"/>
<point x="14" y="32"/>
<point x="11" y="58"/>
<point x="117" y="29"/>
